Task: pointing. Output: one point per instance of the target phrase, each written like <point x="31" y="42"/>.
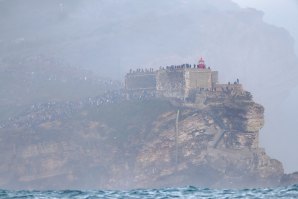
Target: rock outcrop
<point x="213" y="146"/>
<point x="149" y="143"/>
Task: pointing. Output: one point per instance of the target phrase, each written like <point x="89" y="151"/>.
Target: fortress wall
<point x="178" y="82"/>
<point x="214" y="77"/>
<point x="196" y="78"/>
<point x="170" y="83"/>
<point x="140" y="81"/>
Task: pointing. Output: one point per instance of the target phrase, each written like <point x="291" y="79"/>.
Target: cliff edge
<point x="110" y="142"/>
<point x="214" y="145"/>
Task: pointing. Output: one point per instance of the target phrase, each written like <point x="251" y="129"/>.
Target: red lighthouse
<point x="201" y="64"/>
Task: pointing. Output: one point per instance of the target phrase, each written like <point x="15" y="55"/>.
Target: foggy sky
<point x="111" y="36"/>
<point x="283" y="13"/>
<point x="283" y="140"/>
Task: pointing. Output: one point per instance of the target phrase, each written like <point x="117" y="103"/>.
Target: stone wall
<point x="170" y="83"/>
<point x="197" y="78"/>
<point x="214" y="78"/>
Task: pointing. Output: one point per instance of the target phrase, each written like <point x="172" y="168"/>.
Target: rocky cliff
<point x="111" y="39"/>
<point x="215" y="145"/>
<point x="108" y="142"/>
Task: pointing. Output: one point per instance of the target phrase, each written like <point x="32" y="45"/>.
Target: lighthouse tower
<point x="201" y="64"/>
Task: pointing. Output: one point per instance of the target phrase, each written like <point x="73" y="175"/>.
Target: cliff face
<point x="215" y="146"/>
<point x="130" y="144"/>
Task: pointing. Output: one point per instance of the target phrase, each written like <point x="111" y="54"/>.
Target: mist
<point x="278" y="13"/>
<point x="282" y="14"/>
<point x="109" y="37"/>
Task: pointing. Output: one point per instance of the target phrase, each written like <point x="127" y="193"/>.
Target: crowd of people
<point x="142" y="95"/>
<point x="109" y="97"/>
<point x="56" y="110"/>
<point x="182" y="66"/>
<point x="172" y="67"/>
<point x="41" y="113"/>
<point x="141" y="70"/>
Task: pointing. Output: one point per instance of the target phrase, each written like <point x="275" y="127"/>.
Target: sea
<point x="183" y="192"/>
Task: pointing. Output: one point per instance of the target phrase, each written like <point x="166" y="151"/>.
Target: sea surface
<point x="185" y="192"/>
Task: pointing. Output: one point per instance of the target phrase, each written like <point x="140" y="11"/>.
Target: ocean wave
<point x="185" y="192"/>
